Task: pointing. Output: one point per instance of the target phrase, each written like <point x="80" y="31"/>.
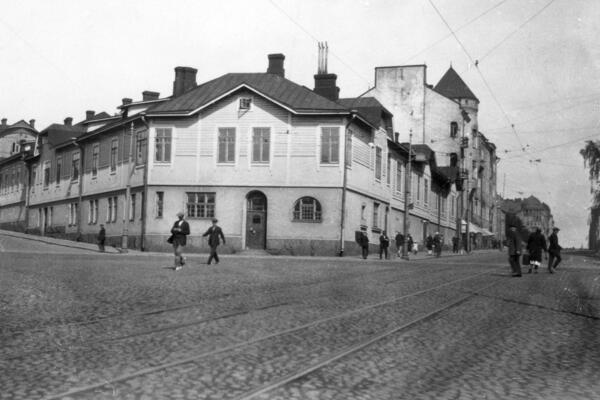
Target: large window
<point x="111" y="209"/>
<point x="200" y="205"/>
<point x="426" y="191"/>
<point x="399" y="177"/>
<point x="95" y="157"/>
<point x="114" y="150"/>
<point x="261" y="145"/>
<point x="46" y="174"/>
<point x="163" y="145"/>
<point x="75" y="166"/>
<point x="93" y="212"/>
<point x="330" y="145"/>
<point x="226" y="145"/>
<point x="307" y="209"/>
<point x="388" y="171"/>
<point x="453" y="129"/>
<point x="73" y="213"/>
<point x="58" y="169"/>
<point x="132" y="207"/>
<point x="376" y="215"/>
<point x="159" y="204"/>
<point x="378" y="161"/>
<point x="141" y="149"/>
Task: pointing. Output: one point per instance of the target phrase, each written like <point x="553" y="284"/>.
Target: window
<point x="399" y="177"/>
<point x="378" y="154"/>
<point x="111" y="209"/>
<point x="46" y="174"/>
<point x="330" y="145"/>
<point x="426" y="191"/>
<point x="132" y="208"/>
<point x="376" y="215"/>
<point x="418" y="188"/>
<point x="452" y="206"/>
<point x="159" y="204"/>
<point x="261" y="142"/>
<point x="200" y="205"/>
<point x="95" y="155"/>
<point x="58" y="169"/>
<point x="307" y="209"/>
<point x="245" y="103"/>
<point x="226" y="145"/>
<point x="388" y="171"/>
<point x="114" y="149"/>
<point x="73" y="214"/>
<point x="141" y="150"/>
<point x="363" y="217"/>
<point x="93" y="212"/>
<point x="453" y="129"/>
<point x="163" y="145"/>
<point x="75" y="166"/>
<point x="114" y="209"/>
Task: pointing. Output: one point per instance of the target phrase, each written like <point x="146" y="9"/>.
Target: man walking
<point x="553" y="251"/>
<point x="384" y="243"/>
<point x="213" y="233"/>
<point x="179" y="234"/>
<point x="363" y="242"/>
<point x="399" y="239"/>
<point x="101" y="238"/>
<point x="514" y="251"/>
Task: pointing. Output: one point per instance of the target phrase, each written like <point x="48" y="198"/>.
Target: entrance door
<point x="256" y="220"/>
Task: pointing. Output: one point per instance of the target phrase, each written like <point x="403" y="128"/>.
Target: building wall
<point x="440" y="112"/>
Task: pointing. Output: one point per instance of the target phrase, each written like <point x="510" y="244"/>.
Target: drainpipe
<point x="345" y="183"/>
<point x="130" y="171"/>
<point x="145" y="199"/>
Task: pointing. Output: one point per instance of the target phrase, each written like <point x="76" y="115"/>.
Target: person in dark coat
<point x="454" y="244"/>
<point x="384" y="243"/>
<point x="410" y="244"/>
<point x="429" y="244"/>
<point x="363" y="242"/>
<point x="214" y="233"/>
<point x="535" y="245"/>
<point x="437" y="244"/>
<point x="178" y="239"/>
<point x="553" y="251"/>
<point x="514" y="251"/>
<point x="101" y="238"/>
<point x="399" y="239"/>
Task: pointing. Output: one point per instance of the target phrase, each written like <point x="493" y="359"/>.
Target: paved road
<point x="76" y="324"/>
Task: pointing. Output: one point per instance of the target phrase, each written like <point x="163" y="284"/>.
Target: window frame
<point x="314" y="215"/>
<point x="229" y="159"/>
<point x="95" y="159"/>
<point x="159" y="203"/>
<point x="114" y="154"/>
<point x="75" y="165"/>
<point x="330" y="142"/>
<point x="58" y="170"/>
<point x="378" y="163"/>
<point x="205" y="209"/>
<point x="261" y="130"/>
<point x="245" y="99"/>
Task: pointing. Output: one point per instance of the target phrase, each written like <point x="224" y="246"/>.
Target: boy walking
<point x="213" y="233"/>
<point x="179" y="234"/>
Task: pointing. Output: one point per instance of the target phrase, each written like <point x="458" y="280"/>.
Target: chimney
<point x="148" y="95"/>
<point x="325" y="84"/>
<point x="4" y="121"/>
<point x="68" y="121"/>
<point x="276" y="64"/>
<point x="89" y="114"/>
<point x="126" y="100"/>
<point x="32" y="123"/>
<point x="185" y="79"/>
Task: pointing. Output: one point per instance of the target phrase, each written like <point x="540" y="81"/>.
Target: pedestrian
<point x="213" y="233"/>
<point x="384" y="243"/>
<point x="514" y="251"/>
<point x="363" y="242"/>
<point x="101" y="238"/>
<point x="178" y="239"/>
<point x="535" y="245"/>
<point x="455" y="244"/>
<point x="429" y="244"/>
<point x="399" y="239"/>
<point x="554" y="248"/>
<point x="411" y="245"/>
<point x="437" y="244"/>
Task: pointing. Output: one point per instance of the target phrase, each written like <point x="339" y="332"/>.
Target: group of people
<point x="433" y="244"/>
<point x="536" y="246"/>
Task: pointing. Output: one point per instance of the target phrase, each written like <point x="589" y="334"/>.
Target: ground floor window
<point x="73" y="214"/>
<point x="159" y="204"/>
<point x="200" y="205"/>
<point x="93" y="212"/>
<point x="307" y="209"/>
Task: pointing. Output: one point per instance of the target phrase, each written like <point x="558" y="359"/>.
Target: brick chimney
<point x="68" y="121"/>
<point x="4" y="121"/>
<point x="148" y="95"/>
<point x="126" y="100"/>
<point x="185" y="79"/>
<point x="89" y="114"/>
<point x="325" y="84"/>
<point x="276" y="64"/>
<point x="32" y="123"/>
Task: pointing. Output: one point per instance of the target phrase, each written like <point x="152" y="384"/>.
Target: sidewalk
<point x="422" y="255"/>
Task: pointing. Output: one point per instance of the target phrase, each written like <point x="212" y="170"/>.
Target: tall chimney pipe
<point x="276" y="64"/>
<point x="89" y="114"/>
<point x="185" y="79"/>
<point x="68" y="121"/>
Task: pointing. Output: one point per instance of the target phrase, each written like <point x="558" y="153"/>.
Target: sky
<point x="537" y="66"/>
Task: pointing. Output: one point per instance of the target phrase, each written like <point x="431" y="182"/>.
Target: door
<point x="256" y="220"/>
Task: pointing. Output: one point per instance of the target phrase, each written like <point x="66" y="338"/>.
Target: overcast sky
<point x="537" y="59"/>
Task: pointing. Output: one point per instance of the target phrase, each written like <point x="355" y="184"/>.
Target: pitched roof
<point x="59" y="134"/>
<point x="368" y="107"/>
<point x="287" y="93"/>
<point x="21" y="124"/>
<point x="452" y="86"/>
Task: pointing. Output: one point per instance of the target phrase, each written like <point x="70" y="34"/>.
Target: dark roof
<point x="368" y="107"/>
<point x="110" y="125"/>
<point x="102" y="115"/>
<point x="21" y="124"/>
<point x="297" y="97"/>
<point x="452" y="86"/>
<point x="59" y="134"/>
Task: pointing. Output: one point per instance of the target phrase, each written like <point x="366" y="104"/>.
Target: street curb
<point x="60" y="242"/>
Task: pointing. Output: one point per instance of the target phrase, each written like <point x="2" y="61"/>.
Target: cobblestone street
<point x="75" y="324"/>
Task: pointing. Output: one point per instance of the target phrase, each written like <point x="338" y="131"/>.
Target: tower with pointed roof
<point x="452" y="86"/>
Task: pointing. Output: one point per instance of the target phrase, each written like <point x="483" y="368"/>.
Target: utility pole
<point x="131" y="169"/>
<point x="407" y="190"/>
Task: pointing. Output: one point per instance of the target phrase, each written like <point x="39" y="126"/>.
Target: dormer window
<point x="245" y="103"/>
